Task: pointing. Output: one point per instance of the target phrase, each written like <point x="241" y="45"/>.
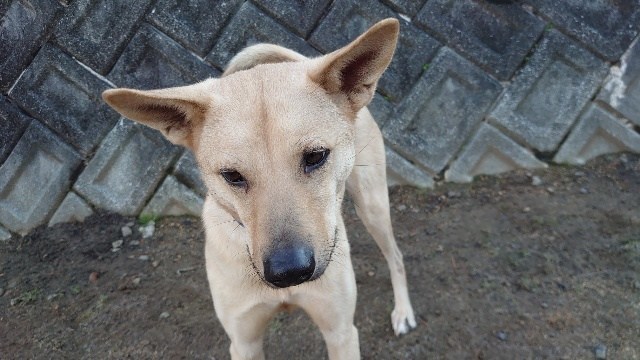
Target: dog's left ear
<point x="177" y="112"/>
<point x="351" y="74"/>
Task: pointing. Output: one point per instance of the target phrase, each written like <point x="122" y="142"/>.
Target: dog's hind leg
<point x="367" y="185"/>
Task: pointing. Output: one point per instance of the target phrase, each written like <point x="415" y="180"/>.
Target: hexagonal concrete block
<point x="72" y="209"/>
<point x="195" y="23"/>
<point x="64" y="95"/>
<point x="126" y="169"/>
<point x="23" y="29"/>
<point x="187" y="171"/>
<point x="95" y="31"/>
<point x="495" y="36"/>
<point x="401" y="171"/>
<point x="381" y="109"/>
<point x="598" y="132"/>
<point x="348" y="19"/>
<point x="406" y="7"/>
<point x="250" y="26"/>
<point x="547" y="95"/>
<point x="152" y="60"/>
<point x="442" y="111"/>
<point x="12" y="125"/>
<point x="35" y="178"/>
<point x="173" y="199"/>
<point x="301" y="16"/>
<point x="622" y="87"/>
<point x="606" y="27"/>
<point x="490" y="152"/>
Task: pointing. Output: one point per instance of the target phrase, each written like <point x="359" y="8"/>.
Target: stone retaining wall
<point x="476" y="87"/>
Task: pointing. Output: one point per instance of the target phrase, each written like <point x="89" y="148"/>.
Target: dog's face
<point x="275" y="145"/>
<point x="278" y="166"/>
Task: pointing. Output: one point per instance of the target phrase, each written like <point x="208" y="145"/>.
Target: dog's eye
<point x="314" y="159"/>
<point x="234" y="178"/>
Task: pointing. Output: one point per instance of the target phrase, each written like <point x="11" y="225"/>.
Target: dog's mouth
<point x="321" y="265"/>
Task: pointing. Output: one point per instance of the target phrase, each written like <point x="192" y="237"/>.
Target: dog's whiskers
<point x="367" y="144"/>
<point x="370" y="164"/>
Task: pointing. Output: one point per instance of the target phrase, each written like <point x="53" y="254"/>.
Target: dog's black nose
<point x="289" y="266"/>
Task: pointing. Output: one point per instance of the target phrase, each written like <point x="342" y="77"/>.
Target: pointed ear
<point x="351" y="74"/>
<point x="177" y="112"/>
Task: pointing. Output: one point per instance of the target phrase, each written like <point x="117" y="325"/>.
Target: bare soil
<point x="498" y="269"/>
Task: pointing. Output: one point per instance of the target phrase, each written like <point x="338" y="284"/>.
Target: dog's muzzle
<point x="289" y="266"/>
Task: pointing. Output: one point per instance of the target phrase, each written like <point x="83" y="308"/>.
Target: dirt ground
<point x="498" y="269"/>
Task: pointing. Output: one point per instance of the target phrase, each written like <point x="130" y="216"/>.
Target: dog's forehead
<point x="274" y="103"/>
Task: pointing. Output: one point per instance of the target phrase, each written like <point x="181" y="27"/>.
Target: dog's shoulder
<point x="261" y="54"/>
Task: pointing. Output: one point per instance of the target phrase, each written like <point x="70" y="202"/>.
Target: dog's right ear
<point x="177" y="112"/>
<point x="350" y="74"/>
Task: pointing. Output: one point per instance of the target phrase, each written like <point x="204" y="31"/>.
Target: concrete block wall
<point x="476" y="87"/>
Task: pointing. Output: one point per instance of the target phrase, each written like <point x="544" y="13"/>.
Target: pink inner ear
<point x="167" y="116"/>
<point x="355" y="72"/>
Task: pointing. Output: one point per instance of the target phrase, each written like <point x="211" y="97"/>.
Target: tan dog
<point x="276" y="139"/>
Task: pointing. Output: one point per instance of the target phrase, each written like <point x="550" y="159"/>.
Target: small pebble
<point x="14" y="301"/>
<point x="126" y="231"/>
<point x="148" y="230"/>
<point x="115" y="246"/>
<point x="143" y="257"/>
<point x="164" y="315"/>
<point x="453" y="194"/>
<point x="13" y="283"/>
<point x="551" y="190"/>
<point x="526" y="209"/>
<point x="452" y="342"/>
<point x="501" y="335"/>
<point x="601" y="352"/>
<point x="134" y="242"/>
<point x="536" y="181"/>
<point x="401" y="207"/>
<point x="156" y="263"/>
<point x="544" y="305"/>
<point x="136" y="281"/>
<point x="584" y="191"/>
<point x="130" y="224"/>
<point x="93" y="277"/>
<point x="578" y="173"/>
<point x="370" y="273"/>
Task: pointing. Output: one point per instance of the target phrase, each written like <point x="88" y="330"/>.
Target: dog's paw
<point x="403" y="320"/>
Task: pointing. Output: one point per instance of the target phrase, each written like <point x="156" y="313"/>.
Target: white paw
<point x="403" y="320"/>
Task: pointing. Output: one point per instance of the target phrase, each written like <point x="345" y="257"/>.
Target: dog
<point x="278" y="138"/>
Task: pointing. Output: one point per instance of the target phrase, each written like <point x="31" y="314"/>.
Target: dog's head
<point x="275" y="145"/>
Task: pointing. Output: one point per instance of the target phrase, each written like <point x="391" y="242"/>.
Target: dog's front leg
<point x="246" y="330"/>
<point x="243" y="314"/>
<point x="334" y="317"/>
<point x="331" y="303"/>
